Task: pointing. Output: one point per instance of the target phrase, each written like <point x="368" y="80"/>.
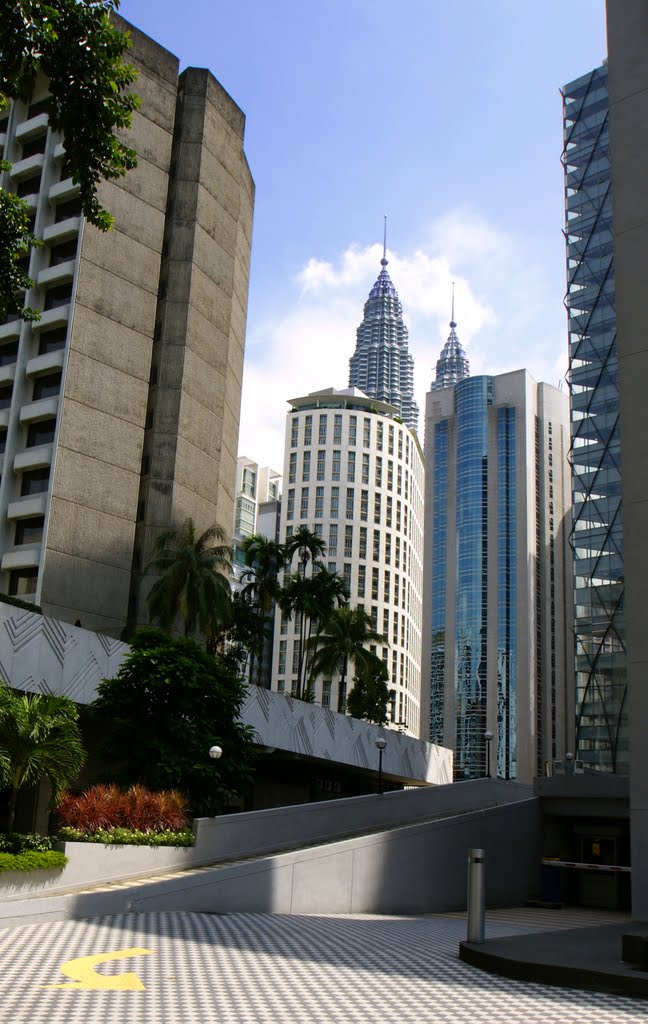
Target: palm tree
<point x="306" y="544"/>
<point x="264" y="559"/>
<point x="348" y="630"/>
<point x="313" y="598"/>
<point x="39" y="738"/>
<point x="298" y="596"/>
<point x="193" y="583"/>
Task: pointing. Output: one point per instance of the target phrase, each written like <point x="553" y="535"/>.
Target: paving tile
<point x="270" y="969"/>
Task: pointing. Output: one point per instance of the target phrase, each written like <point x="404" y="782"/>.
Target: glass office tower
<point x="597" y="531"/>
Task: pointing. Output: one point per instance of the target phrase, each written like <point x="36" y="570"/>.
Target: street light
<point x="569" y="767"/>
<point x="215" y="752"/>
<point x="381" y="744"/>
<point x="488" y="736"/>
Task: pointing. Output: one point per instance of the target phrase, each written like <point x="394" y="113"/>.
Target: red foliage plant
<point x="105" y="807"/>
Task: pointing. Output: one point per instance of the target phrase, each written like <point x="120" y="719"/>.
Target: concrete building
<point x="353" y="473"/>
<point x="381" y="365"/>
<point x="628" y="98"/>
<point x="256" y="486"/>
<point x="120" y="407"/>
<point x="595" y="454"/>
<point x="497" y="575"/>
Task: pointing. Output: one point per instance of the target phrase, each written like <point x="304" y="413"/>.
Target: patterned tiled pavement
<point x="267" y="969"/>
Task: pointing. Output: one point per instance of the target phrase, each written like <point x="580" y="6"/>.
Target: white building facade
<point x="353" y="473"/>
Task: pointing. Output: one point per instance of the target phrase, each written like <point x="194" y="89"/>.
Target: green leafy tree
<point x="193" y="584"/>
<point x="169" y="703"/>
<point x="347" y="633"/>
<point x="264" y="559"/>
<point x="75" y="46"/>
<point x="39" y="738"/>
<point x="371" y="696"/>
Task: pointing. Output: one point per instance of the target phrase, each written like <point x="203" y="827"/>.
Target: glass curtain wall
<point x="597" y="532"/>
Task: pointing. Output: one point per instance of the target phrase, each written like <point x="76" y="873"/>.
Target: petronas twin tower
<point x="382" y="366"/>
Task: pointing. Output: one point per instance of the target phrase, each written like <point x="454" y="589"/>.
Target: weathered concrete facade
<point x="628" y="88"/>
<point x="140" y="360"/>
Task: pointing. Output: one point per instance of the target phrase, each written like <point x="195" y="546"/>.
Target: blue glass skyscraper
<point x="597" y="532"/>
<point x="496" y="574"/>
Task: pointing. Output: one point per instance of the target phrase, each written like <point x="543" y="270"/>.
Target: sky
<point x="446" y="117"/>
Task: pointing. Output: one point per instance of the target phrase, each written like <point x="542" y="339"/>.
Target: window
<point x="379" y="438"/>
<point x="375" y="582"/>
<point x="22" y="582"/>
<point x="365" y="467"/>
<point x="346" y="573"/>
<point x="41" y="433"/>
<point x="249" y="482"/>
<point x="326" y="693"/>
<point x="64" y="211"/>
<point x="335" y="502"/>
<point x="335" y="474"/>
<point x="385" y="624"/>
<point x="321" y="465"/>
<point x="8" y="353"/>
<point x="29" y="531"/>
<point x="306" y="466"/>
<point x="389" y="510"/>
<point x="292" y="469"/>
<point x="322" y="429"/>
<point x="398" y="514"/>
<point x="333" y="539"/>
<point x="399" y="480"/>
<point x="58" y="296"/>
<point x="5" y="396"/>
<point x="35" y="481"/>
<point x="364" y="505"/>
<point x="362" y="577"/>
<point x="47" y="387"/>
<point x="350" y="500"/>
<point x="348" y="541"/>
<point x="391" y="439"/>
<point x="376" y="545"/>
<point x="366" y="432"/>
<point x="390" y="475"/>
<point x="398" y="552"/>
<point x="353" y="429"/>
<point x="308" y="429"/>
<point x="304" y="503"/>
<point x="337" y="429"/>
<point x="386" y="586"/>
<point x="395" y="632"/>
<point x="290" y="508"/>
<point x="27" y="186"/>
<point x="294" y="432"/>
<point x="400" y="445"/>
<point x="351" y="462"/>
<point x="319" y="502"/>
<point x="378" y="471"/>
<point x="362" y="550"/>
<point x="281" y="667"/>
<point x="3" y="439"/>
<point x="387" y="548"/>
<point x="63" y="252"/>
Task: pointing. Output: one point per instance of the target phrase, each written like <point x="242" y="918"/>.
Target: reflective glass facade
<point x="472" y="398"/>
<point x="439" y="565"/>
<point x="597" y="533"/>
<point x="506" y="596"/>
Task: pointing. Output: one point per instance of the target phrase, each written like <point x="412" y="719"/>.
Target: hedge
<point x="31" y="860"/>
<point x="127" y="837"/>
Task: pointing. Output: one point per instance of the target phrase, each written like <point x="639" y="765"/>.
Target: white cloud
<point x="501" y="309"/>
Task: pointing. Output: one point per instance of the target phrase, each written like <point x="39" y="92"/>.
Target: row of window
<point x="403" y="517"/>
<point x="364" y="470"/>
<point x="324" y="421"/>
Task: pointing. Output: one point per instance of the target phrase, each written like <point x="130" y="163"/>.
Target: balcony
<point x="43" y="409"/>
<point x="57" y="317"/>
<point x="29" y="167"/>
<point x="10" y="330"/>
<point x="62" y="191"/>
<point x="62" y="273"/>
<point x="33" y="458"/>
<point x="62" y="231"/>
<point x="32" y="128"/>
<point x="47" y="363"/>
<point x="21" y="558"/>
<point x="59" y="152"/>
<point x="28" y="507"/>
<point x="7" y="374"/>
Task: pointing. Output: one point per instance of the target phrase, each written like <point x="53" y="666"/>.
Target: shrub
<point x="103" y="808"/>
<point x="17" y="603"/>
<point x="32" y="860"/>
<point x="128" y="837"/>
<point x="14" y="842"/>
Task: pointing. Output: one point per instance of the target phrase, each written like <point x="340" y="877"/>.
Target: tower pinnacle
<point x="452" y="365"/>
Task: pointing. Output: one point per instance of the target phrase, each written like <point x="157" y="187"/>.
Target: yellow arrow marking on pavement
<point x="82" y="969"/>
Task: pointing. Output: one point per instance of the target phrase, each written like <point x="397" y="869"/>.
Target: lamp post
<point x="569" y="767"/>
<point x="215" y="753"/>
<point x="488" y="736"/>
<point x="380" y="744"/>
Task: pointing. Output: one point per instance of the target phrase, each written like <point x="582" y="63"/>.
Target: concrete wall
<point x="628" y="87"/>
<point x="416" y="869"/>
<point x="96" y="475"/>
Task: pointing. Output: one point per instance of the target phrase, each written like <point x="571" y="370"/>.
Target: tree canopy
<point x="39" y="738"/>
<point x="74" y="45"/>
<point x="169" y="703"/>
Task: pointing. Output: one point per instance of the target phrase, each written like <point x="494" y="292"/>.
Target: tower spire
<point x="384" y="259"/>
<point x="452" y="365"/>
<point x="452" y="319"/>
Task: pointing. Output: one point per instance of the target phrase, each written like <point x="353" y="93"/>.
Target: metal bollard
<point x="476" y="895"/>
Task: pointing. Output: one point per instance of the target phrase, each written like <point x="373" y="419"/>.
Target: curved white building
<point x="353" y="473"/>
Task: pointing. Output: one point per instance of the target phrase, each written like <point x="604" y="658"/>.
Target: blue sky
<point x="446" y="116"/>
